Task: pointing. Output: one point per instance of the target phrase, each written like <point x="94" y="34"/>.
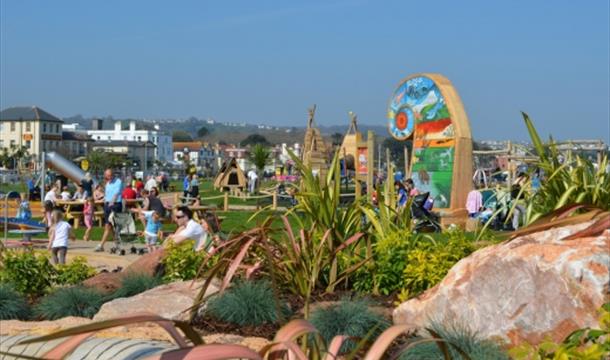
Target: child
<point x="152" y="228"/>
<point x="88" y="210"/>
<point x="65" y="194"/>
<point x="48" y="209"/>
<point x="59" y="234"/>
<point x="24" y="212"/>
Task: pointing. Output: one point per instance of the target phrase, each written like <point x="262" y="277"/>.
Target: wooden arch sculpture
<point x="426" y="108"/>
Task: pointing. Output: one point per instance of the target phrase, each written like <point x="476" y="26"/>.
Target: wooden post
<point x="358" y="188"/>
<point x="389" y="182"/>
<point x="406" y="154"/>
<point x="274" y="206"/>
<point x="509" y="151"/>
<point x="370" y="164"/>
<point x="226" y="204"/>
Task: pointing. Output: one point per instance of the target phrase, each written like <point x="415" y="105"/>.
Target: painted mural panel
<point x="418" y="111"/>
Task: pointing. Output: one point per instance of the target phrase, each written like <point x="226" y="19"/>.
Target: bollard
<point x="226" y="205"/>
<point x="274" y="207"/>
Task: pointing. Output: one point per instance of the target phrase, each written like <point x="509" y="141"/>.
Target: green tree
<point x="260" y="156"/>
<point x="100" y="160"/>
<point x="337" y="139"/>
<point x="255" y="139"/>
<point x="181" y="136"/>
<point x="203" y="131"/>
<point x="12" y="157"/>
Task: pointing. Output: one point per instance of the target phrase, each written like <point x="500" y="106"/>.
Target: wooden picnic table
<point x="70" y="206"/>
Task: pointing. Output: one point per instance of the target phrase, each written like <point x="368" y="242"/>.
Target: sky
<point x="269" y="61"/>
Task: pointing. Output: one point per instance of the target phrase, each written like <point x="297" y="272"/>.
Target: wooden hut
<point x="315" y="151"/>
<point x="349" y="147"/>
<point x="230" y="177"/>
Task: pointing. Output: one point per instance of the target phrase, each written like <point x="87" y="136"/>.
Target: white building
<point x="163" y="142"/>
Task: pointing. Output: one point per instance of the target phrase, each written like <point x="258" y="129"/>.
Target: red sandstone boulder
<point x="533" y="287"/>
<point x="104" y="282"/>
<point x="149" y="264"/>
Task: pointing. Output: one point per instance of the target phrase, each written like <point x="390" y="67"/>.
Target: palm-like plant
<point x="573" y="181"/>
<point x="319" y="203"/>
<point x="260" y="156"/>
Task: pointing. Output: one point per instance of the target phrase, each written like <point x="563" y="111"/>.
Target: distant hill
<point x="231" y="133"/>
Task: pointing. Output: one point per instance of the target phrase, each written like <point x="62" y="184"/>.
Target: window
<point x="12" y="143"/>
<point x="99" y="137"/>
<point x="44" y="127"/>
<point x="57" y="128"/>
<point x="28" y="143"/>
<point x="139" y="138"/>
<point x="28" y="126"/>
<point x="12" y="126"/>
<point x="108" y="137"/>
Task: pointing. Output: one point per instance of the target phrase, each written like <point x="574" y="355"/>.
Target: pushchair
<point x="124" y="231"/>
<point x="425" y="220"/>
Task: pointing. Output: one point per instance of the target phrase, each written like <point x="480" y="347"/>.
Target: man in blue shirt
<point x="113" y="202"/>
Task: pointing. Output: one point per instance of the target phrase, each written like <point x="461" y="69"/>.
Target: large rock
<point x="527" y="289"/>
<point x="170" y="301"/>
<point x="149" y="264"/>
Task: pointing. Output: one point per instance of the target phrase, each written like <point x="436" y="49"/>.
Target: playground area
<point x="349" y="246"/>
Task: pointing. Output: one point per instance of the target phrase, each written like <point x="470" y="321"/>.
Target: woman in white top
<point x="51" y="195"/>
<point x="189" y="229"/>
<point x="59" y="233"/>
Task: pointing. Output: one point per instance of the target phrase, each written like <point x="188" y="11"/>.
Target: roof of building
<point x="112" y="143"/>
<point x="191" y="145"/>
<point x="27" y="113"/>
<point x="75" y="136"/>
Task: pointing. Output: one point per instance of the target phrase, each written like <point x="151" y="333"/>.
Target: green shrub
<point x="348" y="317"/>
<point x="466" y="340"/>
<point x="135" y="283"/>
<point x="74" y="272"/>
<point x="181" y="262"/>
<point x="70" y="301"/>
<point x="12" y="304"/>
<point x="247" y="303"/>
<point x="429" y="262"/>
<point x="30" y="274"/>
<point x="384" y="274"/>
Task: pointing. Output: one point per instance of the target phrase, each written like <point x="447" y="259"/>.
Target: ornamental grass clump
<point x="247" y="303"/>
<point x="135" y="283"/>
<point x="12" y="304"/>
<point x="350" y="318"/>
<point x="70" y="301"/>
<point x="455" y="337"/>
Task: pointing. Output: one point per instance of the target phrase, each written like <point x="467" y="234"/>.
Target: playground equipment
<point x="315" y="151"/>
<point x="230" y="177"/>
<point x="427" y="109"/>
<point x="351" y="140"/>
<point x="64" y="166"/>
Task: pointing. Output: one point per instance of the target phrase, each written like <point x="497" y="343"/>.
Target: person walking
<point x="113" y="202"/>
<point x="59" y="234"/>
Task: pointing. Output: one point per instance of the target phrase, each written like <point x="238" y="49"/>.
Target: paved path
<point x="99" y="260"/>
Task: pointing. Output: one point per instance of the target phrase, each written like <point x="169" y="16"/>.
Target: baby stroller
<point x="124" y="231"/>
<point x="425" y="220"/>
